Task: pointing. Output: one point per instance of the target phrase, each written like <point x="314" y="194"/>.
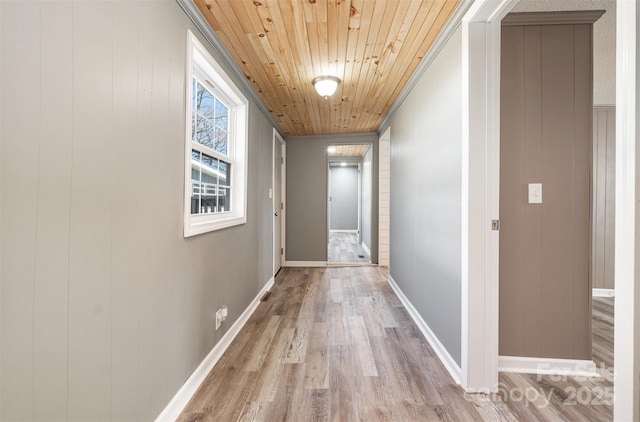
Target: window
<point x="216" y="146"/>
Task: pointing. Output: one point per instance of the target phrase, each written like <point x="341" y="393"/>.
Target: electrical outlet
<point x="221" y="315"/>
<point x="218" y="319"/>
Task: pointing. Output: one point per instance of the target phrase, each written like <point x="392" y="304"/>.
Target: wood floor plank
<point x="317" y="370"/>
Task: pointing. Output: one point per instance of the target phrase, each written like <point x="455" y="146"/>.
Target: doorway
<point x="481" y="145"/>
<point x="278" y="200"/>
<point x="349" y="203"/>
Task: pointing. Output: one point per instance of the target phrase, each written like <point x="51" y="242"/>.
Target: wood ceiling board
<point x="373" y="46"/>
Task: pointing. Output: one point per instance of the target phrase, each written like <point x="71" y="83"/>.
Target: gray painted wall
<point x="344" y="198"/>
<point x="307" y="194"/>
<point x="105" y="308"/>
<point x="426" y="145"/>
<point x="367" y="194"/>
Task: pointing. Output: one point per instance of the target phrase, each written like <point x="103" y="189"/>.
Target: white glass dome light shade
<point x="326" y="85"/>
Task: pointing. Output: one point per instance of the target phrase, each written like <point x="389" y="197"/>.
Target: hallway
<point x="336" y="344"/>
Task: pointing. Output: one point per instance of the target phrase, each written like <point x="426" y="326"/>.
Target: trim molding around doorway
<point x="281" y="184"/>
<point x="481" y="32"/>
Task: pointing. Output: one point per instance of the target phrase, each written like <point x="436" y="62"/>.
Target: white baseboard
<point x="449" y="363"/>
<point x="313" y="264"/>
<point x="350" y="264"/>
<point x="343" y="231"/>
<point x="177" y="404"/>
<point x="546" y="366"/>
<point x="366" y="249"/>
<point x="603" y="292"/>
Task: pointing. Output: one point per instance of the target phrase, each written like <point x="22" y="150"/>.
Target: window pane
<point x="195" y="183"/>
<point x="205" y="132"/>
<point x="222" y="123"/>
<point x="193" y="109"/>
<point x="221" y="137"/>
<point x="209" y="170"/>
<point x="210" y="184"/>
<point x="205" y="102"/>
<point x="224" y="199"/>
<point x="221" y="112"/>
<point x="225" y="174"/>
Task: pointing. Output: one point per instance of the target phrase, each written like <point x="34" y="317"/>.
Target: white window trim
<point x="239" y="108"/>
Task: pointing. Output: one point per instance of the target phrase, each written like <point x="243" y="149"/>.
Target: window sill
<point x="194" y="227"/>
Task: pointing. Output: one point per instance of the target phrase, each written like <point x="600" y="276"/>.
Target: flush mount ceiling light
<point x="326" y="85"/>
<point x="331" y="150"/>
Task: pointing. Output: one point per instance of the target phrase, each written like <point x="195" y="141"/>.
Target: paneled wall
<point x="546" y="109"/>
<point x="426" y="196"/>
<point x="383" y="194"/>
<point x="105" y="308"/>
<point x="367" y="196"/>
<point x="604" y="191"/>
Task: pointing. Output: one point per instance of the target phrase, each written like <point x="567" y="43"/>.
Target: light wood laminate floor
<point x="344" y="247"/>
<point x="335" y="344"/>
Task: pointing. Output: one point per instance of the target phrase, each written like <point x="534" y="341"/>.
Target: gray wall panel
<point x="426" y="165"/>
<point x="545" y="138"/>
<point x="54" y="185"/>
<point x="344" y="198"/>
<point x="307" y="194"/>
<point x="100" y="290"/>
<point x="604" y="172"/>
<point x="19" y="205"/>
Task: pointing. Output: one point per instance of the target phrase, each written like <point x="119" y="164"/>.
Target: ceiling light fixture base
<point x="326" y="85"/>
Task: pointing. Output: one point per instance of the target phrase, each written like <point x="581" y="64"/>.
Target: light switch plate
<point x="535" y="193"/>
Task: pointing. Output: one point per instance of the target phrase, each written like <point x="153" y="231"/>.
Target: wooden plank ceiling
<point x="373" y="46"/>
<point x="347" y="150"/>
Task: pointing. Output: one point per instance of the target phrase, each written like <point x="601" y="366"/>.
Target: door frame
<point x="481" y="31"/>
<point x="278" y="142"/>
<point x="481" y="28"/>
<point x="332" y="163"/>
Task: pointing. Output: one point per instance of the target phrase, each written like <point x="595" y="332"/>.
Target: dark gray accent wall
<point x="545" y="137"/>
<point x="604" y="196"/>
<point x="307" y="178"/>
<point x="344" y="198"/>
<point x="367" y="194"/>
<point x="426" y="166"/>
<point x="105" y="308"/>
